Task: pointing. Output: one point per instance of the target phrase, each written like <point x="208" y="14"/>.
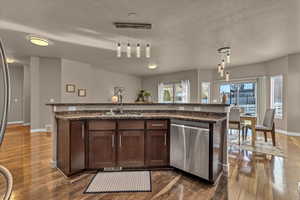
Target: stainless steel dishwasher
<point x="190" y="147"/>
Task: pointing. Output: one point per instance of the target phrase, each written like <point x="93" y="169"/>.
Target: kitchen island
<point x="142" y="136"/>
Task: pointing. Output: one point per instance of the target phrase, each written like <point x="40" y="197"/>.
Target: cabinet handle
<point x="165" y="139"/>
<point x="120" y="140"/>
<point x="157" y="125"/>
<point x="82" y="131"/>
<point x="113" y="141"/>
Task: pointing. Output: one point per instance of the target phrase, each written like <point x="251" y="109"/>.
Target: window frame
<point x="238" y="91"/>
<point x="209" y="92"/>
<point x="272" y="97"/>
<point x="174" y="91"/>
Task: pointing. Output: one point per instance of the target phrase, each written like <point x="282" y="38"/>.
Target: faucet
<point x="119" y="93"/>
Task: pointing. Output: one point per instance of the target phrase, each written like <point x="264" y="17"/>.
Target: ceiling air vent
<point x="132" y="25"/>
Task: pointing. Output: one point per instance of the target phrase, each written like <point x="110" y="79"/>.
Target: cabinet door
<point x="102" y="151"/>
<point x="77" y="147"/>
<point x="131" y="148"/>
<point x="157" y="148"/>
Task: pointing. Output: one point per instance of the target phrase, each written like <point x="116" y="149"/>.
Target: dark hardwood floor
<point x="251" y="176"/>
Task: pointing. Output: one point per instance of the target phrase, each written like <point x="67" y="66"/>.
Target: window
<point x="241" y="94"/>
<point x="276" y="95"/>
<point x="205" y="92"/>
<point x="177" y="92"/>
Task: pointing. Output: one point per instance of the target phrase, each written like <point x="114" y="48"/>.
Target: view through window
<point x="178" y="92"/>
<point x="242" y="95"/>
<point x="276" y="95"/>
<point x="205" y="92"/>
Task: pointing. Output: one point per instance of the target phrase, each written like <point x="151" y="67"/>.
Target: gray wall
<point x="34" y="92"/>
<point x="98" y="82"/>
<point x="293" y="109"/>
<point x="26" y="95"/>
<point x="150" y="83"/>
<point x="45" y="83"/>
<point x="16" y="104"/>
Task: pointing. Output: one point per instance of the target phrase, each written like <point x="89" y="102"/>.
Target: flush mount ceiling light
<point x="152" y="66"/>
<point x="225" y="53"/>
<point x="10" y="60"/>
<point x="39" y="41"/>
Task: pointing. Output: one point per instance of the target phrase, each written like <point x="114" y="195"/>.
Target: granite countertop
<point x="180" y="116"/>
<point x="136" y="104"/>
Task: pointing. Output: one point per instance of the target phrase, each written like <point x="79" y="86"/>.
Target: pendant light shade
<point x="227" y="76"/>
<point x="138" y="51"/>
<point x="219" y="68"/>
<point x="228" y="58"/>
<point x="222" y="73"/>
<point x="119" y="51"/>
<point x="223" y="64"/>
<point x="148" y="51"/>
<point x="128" y="50"/>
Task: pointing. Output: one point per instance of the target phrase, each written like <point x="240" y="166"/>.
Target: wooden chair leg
<point x="243" y="134"/>
<point x="266" y="138"/>
<point x="239" y="136"/>
<point x="273" y="135"/>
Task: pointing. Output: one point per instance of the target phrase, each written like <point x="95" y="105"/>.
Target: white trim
<point x="38" y="130"/>
<point x="53" y="164"/>
<point x="15" y="122"/>
<point x="26" y="124"/>
<point x="287" y="132"/>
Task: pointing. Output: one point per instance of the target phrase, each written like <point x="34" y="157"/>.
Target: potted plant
<point x="147" y="96"/>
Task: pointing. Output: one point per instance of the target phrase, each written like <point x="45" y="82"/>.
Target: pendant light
<point x="138" y="51"/>
<point x="222" y="73"/>
<point x="223" y="64"/>
<point x="119" y="51"/>
<point x="219" y="68"/>
<point x="225" y="54"/>
<point x="128" y="51"/>
<point x="228" y="57"/>
<point x="227" y="76"/>
<point x="148" y="51"/>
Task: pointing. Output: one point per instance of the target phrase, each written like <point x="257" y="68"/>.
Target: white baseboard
<point x="38" y="130"/>
<point x="15" y="122"/>
<point x="53" y="164"/>
<point x="287" y="132"/>
<point x="26" y="124"/>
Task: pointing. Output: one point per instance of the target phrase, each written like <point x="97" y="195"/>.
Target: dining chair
<point x="268" y="125"/>
<point x="235" y="121"/>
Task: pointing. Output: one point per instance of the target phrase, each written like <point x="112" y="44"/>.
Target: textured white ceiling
<point x="185" y="33"/>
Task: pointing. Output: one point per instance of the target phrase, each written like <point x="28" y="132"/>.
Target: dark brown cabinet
<point x="94" y="144"/>
<point x="102" y="149"/>
<point x="131" y="148"/>
<point x="77" y="137"/>
<point x="71" y="146"/>
<point x="157" y="148"/>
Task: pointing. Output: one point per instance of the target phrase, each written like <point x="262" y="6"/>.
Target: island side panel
<point x="54" y="136"/>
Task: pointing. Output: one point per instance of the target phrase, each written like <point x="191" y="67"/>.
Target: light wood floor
<point x="251" y="176"/>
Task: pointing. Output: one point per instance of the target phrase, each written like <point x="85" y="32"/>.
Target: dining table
<point x="253" y="120"/>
